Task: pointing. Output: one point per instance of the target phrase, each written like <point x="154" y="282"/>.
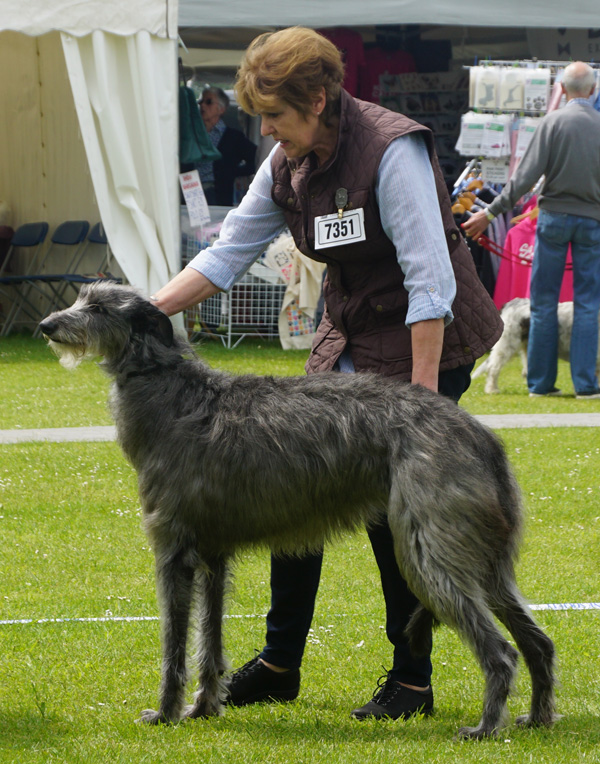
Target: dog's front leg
<point x="175" y="583"/>
<point x="211" y="581"/>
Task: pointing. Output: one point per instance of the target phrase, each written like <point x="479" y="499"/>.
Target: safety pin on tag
<point x="341" y="200"/>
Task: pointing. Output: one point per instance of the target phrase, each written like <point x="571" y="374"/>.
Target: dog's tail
<point x="481" y="369"/>
<point x="419" y="631"/>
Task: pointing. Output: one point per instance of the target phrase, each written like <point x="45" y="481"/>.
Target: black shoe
<point x="393" y="701"/>
<point x="255" y="683"/>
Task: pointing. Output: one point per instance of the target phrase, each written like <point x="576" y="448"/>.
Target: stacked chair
<point x="35" y="292"/>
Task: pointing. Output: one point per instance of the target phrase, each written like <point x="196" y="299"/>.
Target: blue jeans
<point x="554" y="233"/>
<point x="295" y="581"/>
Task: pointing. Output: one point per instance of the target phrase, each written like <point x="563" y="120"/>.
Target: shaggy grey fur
<point x="516" y="315"/>
<point x="230" y="462"/>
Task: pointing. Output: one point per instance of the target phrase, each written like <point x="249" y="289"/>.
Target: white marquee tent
<point x="121" y="59"/>
<point x="316" y="13"/>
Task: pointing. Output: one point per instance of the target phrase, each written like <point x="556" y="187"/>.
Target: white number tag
<point x="333" y="231"/>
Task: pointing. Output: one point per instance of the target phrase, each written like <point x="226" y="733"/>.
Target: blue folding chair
<point x="35" y="289"/>
<point x="96" y="236"/>
<point x="59" y="283"/>
<point x="28" y="239"/>
<point x="6" y="235"/>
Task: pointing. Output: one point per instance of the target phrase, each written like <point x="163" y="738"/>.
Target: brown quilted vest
<point x="365" y="298"/>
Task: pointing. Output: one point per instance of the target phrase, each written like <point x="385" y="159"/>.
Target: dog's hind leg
<point x="497" y="658"/>
<point x="523" y="357"/>
<point x="211" y="582"/>
<point x="175" y="583"/>
<point x="538" y="651"/>
<point x="468" y="614"/>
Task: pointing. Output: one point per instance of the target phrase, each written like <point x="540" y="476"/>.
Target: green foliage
<point x="73" y="547"/>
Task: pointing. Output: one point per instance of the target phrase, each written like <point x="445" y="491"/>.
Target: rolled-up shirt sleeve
<point x="411" y="218"/>
<point x="245" y="234"/>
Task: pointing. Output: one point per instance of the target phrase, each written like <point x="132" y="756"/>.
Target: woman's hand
<point x="187" y="288"/>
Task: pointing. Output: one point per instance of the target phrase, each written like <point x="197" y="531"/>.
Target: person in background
<point x="237" y="152"/>
<point x="565" y="149"/>
<point x="402" y="299"/>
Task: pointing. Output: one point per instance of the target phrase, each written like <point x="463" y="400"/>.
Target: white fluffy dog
<point x="515" y="315"/>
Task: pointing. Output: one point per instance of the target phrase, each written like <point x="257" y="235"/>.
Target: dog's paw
<point x="149" y="716"/>
<point x="527" y="721"/>
<point x="476" y="733"/>
<point x="491" y="389"/>
<point x="202" y="710"/>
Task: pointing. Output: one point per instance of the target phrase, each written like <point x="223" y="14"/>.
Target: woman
<point x="361" y="190"/>
<point x="237" y="152"/>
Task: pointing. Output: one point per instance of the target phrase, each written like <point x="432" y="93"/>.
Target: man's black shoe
<point x="256" y="683"/>
<point x="393" y="701"/>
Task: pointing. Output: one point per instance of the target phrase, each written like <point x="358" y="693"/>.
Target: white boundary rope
<point x="141" y="618"/>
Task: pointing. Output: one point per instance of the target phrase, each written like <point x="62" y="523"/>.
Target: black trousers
<point x="295" y="581"/>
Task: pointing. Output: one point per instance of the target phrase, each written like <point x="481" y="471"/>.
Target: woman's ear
<point x="320" y="102"/>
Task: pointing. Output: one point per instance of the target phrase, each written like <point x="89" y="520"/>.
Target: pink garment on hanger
<point x="514" y="275"/>
<point x="555" y="97"/>
<point x="378" y="62"/>
<point x="514" y="162"/>
<point x="350" y="44"/>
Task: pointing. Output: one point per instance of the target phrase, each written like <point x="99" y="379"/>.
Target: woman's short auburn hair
<point x="290" y="65"/>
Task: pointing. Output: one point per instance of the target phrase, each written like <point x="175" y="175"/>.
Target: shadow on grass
<point x="27" y="730"/>
<point x="327" y="726"/>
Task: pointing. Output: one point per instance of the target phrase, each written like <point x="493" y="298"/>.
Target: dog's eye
<point x="96" y="308"/>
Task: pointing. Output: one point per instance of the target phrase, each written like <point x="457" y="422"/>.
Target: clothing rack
<point x="533" y="63"/>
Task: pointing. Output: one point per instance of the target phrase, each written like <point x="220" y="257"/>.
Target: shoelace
<point x="386" y="688"/>
<point x="248" y="667"/>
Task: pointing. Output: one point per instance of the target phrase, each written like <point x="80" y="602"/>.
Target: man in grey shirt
<point x="565" y="149"/>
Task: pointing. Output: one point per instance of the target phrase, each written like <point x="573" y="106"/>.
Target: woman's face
<point x="210" y="109"/>
<point x="297" y="134"/>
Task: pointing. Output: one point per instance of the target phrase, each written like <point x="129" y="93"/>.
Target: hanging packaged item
<point x="537" y="89"/>
<point x="511" y="91"/>
<point x="527" y="127"/>
<point x="495" y="141"/>
<point x="487" y="87"/>
<point x="471" y="134"/>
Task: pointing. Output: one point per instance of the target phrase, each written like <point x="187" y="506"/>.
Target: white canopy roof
<point x="160" y="17"/>
<point x="121" y="60"/>
<point x="320" y="13"/>
<point x="80" y="17"/>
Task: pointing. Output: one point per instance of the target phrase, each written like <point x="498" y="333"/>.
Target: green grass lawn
<point x="72" y="547"/>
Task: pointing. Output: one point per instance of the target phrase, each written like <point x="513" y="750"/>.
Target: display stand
<point x="250" y="308"/>
<point x="508" y="99"/>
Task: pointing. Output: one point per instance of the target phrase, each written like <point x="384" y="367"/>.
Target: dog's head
<point x="107" y="319"/>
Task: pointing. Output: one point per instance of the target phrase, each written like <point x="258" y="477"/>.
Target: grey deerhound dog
<point x="228" y="462"/>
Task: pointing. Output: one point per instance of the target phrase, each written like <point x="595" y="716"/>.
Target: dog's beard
<point x="70" y="356"/>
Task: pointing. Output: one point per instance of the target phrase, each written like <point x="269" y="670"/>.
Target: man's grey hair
<point x="219" y="94"/>
<point x="578" y="79"/>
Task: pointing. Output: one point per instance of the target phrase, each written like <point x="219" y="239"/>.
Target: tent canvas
<point x="316" y="13"/>
<point x="121" y="61"/>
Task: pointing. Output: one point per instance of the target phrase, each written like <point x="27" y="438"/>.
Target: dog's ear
<point x="153" y="321"/>
<point x="164" y="328"/>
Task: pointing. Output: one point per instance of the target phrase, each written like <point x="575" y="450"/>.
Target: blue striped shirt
<point x="410" y="215"/>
